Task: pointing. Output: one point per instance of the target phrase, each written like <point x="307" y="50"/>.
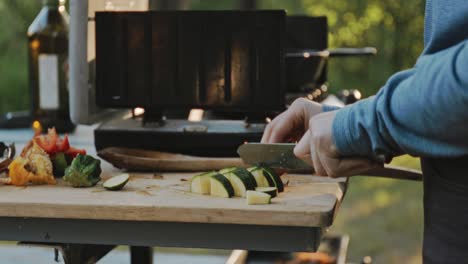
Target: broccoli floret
<point x="84" y="171"/>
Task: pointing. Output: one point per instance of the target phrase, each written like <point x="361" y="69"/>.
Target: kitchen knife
<point x="281" y="156"/>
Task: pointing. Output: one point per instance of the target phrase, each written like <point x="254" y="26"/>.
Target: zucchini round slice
<point x="220" y="186"/>
<point x="272" y="191"/>
<point x="117" y="182"/>
<point x="278" y="183"/>
<point x="260" y="178"/>
<point x="241" y="180"/>
<point x="250" y="178"/>
<point x="226" y="170"/>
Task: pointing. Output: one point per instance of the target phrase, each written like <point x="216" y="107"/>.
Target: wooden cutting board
<point x="307" y="201"/>
<point x="148" y="160"/>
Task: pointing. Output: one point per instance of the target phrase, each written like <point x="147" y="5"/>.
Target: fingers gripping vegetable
<point x="84" y="171"/>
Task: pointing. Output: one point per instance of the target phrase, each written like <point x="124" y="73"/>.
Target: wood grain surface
<point x="146" y="160"/>
<point x="308" y="201"/>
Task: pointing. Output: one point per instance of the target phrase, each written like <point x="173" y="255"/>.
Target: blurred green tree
<point x="214" y="4"/>
<point x="15" y="17"/>
<point x="394" y="27"/>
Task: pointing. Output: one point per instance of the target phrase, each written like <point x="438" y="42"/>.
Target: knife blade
<point x="277" y="155"/>
<point x="281" y="156"/>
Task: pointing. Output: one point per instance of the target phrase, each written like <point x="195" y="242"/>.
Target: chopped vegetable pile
<point x="48" y="156"/>
<point x="52" y="144"/>
<point x="33" y="166"/>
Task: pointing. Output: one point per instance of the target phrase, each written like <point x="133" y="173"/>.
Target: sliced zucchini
<point x="220" y="186"/>
<point x="260" y="178"/>
<point x="278" y="183"/>
<point x="254" y="197"/>
<point x="248" y="175"/>
<point x="241" y="180"/>
<point x="226" y="170"/>
<point x="201" y="183"/>
<point x="272" y="191"/>
<point x="117" y="182"/>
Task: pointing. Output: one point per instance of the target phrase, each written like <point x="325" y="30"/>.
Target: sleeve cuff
<point x="340" y="132"/>
<point x="349" y="139"/>
<point x="328" y="108"/>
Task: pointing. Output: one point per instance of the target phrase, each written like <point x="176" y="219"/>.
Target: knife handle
<point x="395" y="172"/>
<point x="387" y="171"/>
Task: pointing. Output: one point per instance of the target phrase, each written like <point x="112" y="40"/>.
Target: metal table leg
<point x="141" y="255"/>
<point x="78" y="253"/>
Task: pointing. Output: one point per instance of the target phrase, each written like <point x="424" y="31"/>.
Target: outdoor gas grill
<point x="168" y="62"/>
<point x="240" y="67"/>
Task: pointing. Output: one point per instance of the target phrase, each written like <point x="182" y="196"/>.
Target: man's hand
<point x="291" y="125"/>
<point x="317" y="144"/>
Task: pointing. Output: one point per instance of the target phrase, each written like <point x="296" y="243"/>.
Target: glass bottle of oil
<point x="48" y="66"/>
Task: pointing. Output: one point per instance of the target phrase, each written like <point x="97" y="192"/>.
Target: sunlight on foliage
<point x="396" y="32"/>
<point x="17" y="15"/>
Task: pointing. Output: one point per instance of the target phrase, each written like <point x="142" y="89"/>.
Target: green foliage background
<point x="395" y="27"/>
<point x="15" y="17"/>
<point x="383" y="217"/>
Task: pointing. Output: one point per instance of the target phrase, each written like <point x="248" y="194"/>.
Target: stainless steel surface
<point x="278" y="155"/>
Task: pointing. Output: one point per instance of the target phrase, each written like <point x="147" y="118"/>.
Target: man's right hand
<point x="291" y="125"/>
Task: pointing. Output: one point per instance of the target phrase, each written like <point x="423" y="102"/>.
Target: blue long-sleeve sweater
<point x="422" y="111"/>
